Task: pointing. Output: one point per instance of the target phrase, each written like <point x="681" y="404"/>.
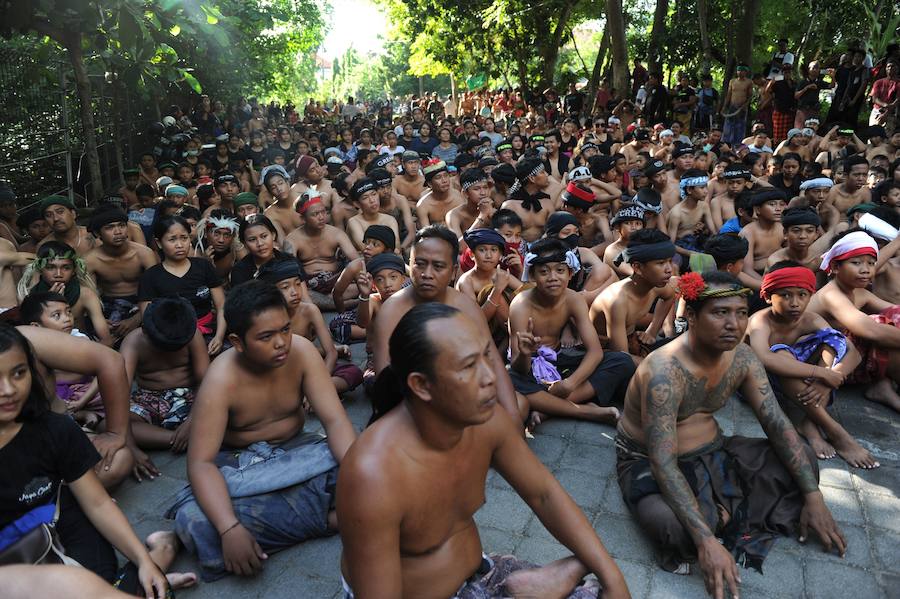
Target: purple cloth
<point x="543" y="367"/>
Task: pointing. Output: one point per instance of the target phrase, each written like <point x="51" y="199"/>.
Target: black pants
<point x="84" y="543"/>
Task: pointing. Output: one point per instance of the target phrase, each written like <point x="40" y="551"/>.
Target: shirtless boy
<point x="307" y="321"/>
<point x="803" y="239"/>
<point x="316" y="244"/>
<point x="433" y="262"/>
<point x="393" y="204"/>
<point x="476" y="189"/>
<point x="853" y="190"/>
<point x="488" y="284"/>
<point x="165" y="359"/>
<point x="59" y="212"/>
<point x="721" y="207"/>
<point x="619" y="309"/>
<point x="277" y="182"/>
<point x="117" y="265"/>
<point x="625" y="222"/>
<point x="813" y="193"/>
<point x="413" y="535"/>
<point x="668" y="429"/>
<point x="809" y="359"/>
<point x="579" y="382"/>
<point x="765" y="234"/>
<point x="689" y="222"/>
<point x="249" y="408"/>
<point x="215" y="241"/>
<point x="411" y="183"/>
<point x="868" y="321"/>
<point x="528" y="199"/>
<point x="440" y="197"/>
<point x="734" y="108"/>
<point x="311" y="175"/>
<point x="659" y="181"/>
<point x="364" y="194"/>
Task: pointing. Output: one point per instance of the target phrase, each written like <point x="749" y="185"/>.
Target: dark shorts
<point x="609" y="380"/>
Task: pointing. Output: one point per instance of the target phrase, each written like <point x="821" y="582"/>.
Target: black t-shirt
<point x="574" y="102"/>
<point x="777" y="181"/>
<point x="683" y="94"/>
<point x="783" y="92"/>
<point x="43" y="453"/>
<point x="194" y="286"/>
<point x="259" y="157"/>
<point x="810" y="98"/>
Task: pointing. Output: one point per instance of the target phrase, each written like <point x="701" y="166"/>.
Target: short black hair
<point x="247" y="301"/>
<point x="783" y="264"/>
<point x="163" y="224"/>
<point x="144" y="191"/>
<point x="439" y="232"/>
<point x="32" y="307"/>
<point x="505" y="216"/>
<point x="645" y="236"/>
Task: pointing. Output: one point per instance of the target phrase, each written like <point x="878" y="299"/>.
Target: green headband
<point x="54" y="200"/>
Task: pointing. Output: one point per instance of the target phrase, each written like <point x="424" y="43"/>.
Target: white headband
<point x="853" y="241"/>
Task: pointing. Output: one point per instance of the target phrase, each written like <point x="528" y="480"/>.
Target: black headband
<point x="800" y="216"/>
<point x="274" y="271"/>
<point x="646" y="252"/>
<point x="105" y="217"/>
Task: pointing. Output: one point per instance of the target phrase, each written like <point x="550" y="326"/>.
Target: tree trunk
<point x="71" y="40"/>
<point x="654" y="51"/>
<point x="550" y="52"/>
<point x="702" y="23"/>
<point x="594" y="83"/>
<point x="615" y="21"/>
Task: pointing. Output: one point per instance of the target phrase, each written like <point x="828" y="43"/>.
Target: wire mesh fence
<point x="42" y="142"/>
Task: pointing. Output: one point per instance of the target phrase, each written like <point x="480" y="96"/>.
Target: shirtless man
<point x="59" y="212"/>
<point x="813" y="193"/>
<point x="316" y="245"/>
<point x="216" y="235"/>
<point x="411" y="183"/>
<point x="227" y="187"/>
<point x="10" y="258"/>
<point x="478" y="206"/>
<point x="887" y="280"/>
<point x="117" y="265"/>
<point x="668" y="428"/>
<point x="149" y="173"/>
<point x="640" y="143"/>
<point x="869" y="321"/>
<point x="593" y="379"/>
<point x="32" y="223"/>
<point x="433" y="262"/>
<point x="765" y="234"/>
<point x="248" y="407"/>
<point x="528" y="198"/>
<point x="393" y="204"/>
<point x="619" y="309"/>
<point x="440" y="197"/>
<point x="853" y="190"/>
<point x="721" y="207"/>
<point x="413" y="535"/>
<point x="804" y="241"/>
<point x="736" y="105"/>
<point x="277" y="182"/>
<point x="809" y="359"/>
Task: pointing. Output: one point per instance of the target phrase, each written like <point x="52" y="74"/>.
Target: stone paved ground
<point x="580" y="454"/>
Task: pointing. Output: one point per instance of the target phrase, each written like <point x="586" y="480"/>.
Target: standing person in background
<point x="783" y="91"/>
<point x="807" y="95"/>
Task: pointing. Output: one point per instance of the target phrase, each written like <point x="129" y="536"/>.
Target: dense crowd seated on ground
<point x="635" y="259"/>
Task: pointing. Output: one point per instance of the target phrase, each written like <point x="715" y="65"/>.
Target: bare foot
<point x="810" y="430"/>
<point x="599" y="414"/>
<point x="883" y="392"/>
<point x="181" y="580"/>
<point x="556" y="579"/>
<point x="534" y="419"/>
<point x="853" y="453"/>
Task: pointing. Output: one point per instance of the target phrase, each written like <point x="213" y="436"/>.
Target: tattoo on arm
<point x="782" y="434"/>
<point x="660" y="418"/>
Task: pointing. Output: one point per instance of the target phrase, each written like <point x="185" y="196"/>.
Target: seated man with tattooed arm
<point x="683" y="480"/>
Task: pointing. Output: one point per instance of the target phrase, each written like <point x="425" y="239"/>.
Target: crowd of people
<point x="503" y="263"/>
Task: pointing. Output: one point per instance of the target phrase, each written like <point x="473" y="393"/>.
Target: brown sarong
<point x="743" y="476"/>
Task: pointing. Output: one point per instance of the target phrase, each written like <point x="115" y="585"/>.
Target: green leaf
<point x="175" y="30"/>
<point x="192" y="81"/>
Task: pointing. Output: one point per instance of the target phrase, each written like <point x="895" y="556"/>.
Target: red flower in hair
<point x="691" y="285"/>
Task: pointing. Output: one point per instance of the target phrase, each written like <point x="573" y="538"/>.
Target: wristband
<point x="363" y="298"/>
<point x="224" y="532"/>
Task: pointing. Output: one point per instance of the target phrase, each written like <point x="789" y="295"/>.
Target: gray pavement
<point x="581" y="455"/>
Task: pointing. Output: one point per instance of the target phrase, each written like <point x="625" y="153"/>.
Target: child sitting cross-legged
<point x="165" y="359"/>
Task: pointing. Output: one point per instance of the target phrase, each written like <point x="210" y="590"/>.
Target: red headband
<point x="301" y="209"/>
<point x="794" y="276"/>
<point x="579" y="192"/>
